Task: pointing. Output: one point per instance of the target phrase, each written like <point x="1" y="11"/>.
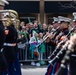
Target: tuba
<point x="12" y="13"/>
<point x="16" y="23"/>
<point x="9" y="16"/>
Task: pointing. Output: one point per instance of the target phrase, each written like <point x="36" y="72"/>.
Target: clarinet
<point x="65" y="60"/>
<point x="47" y="37"/>
<point x="56" y="49"/>
<point x="59" y="45"/>
<point x="58" y="54"/>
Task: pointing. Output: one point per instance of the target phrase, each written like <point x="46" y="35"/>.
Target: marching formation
<point x="61" y="37"/>
<point x="63" y="56"/>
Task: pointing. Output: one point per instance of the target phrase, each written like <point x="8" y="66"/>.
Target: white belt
<point x="8" y="44"/>
<point x="74" y="55"/>
<point x="1" y="50"/>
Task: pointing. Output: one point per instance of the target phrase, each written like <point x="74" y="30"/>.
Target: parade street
<point x="33" y="70"/>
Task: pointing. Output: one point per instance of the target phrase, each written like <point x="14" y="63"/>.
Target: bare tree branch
<point x="71" y="5"/>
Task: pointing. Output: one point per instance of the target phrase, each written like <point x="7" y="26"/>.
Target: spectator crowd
<point x="29" y="36"/>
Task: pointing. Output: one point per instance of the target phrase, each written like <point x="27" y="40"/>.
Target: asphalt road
<point x="33" y="70"/>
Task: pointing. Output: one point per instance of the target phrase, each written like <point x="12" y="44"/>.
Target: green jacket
<point x="42" y="48"/>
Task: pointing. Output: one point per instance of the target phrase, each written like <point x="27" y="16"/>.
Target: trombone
<point x="48" y="36"/>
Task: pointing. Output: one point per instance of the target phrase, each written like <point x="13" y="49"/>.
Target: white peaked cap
<point x="61" y="18"/>
<point x="64" y="19"/>
<point x="55" y="19"/>
<point x="67" y="19"/>
<point x="74" y="14"/>
<point x="3" y="2"/>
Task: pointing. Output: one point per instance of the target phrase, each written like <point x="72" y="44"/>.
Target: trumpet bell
<point x="6" y="22"/>
<point x="16" y="23"/>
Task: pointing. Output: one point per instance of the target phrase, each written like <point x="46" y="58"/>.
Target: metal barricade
<point x="24" y="53"/>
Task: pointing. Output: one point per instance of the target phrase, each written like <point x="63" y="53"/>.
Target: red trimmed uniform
<point x="3" y="62"/>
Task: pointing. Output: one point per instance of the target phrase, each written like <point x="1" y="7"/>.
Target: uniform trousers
<point x="12" y="69"/>
<point x="73" y="66"/>
<point x="5" y="72"/>
<point x="17" y="65"/>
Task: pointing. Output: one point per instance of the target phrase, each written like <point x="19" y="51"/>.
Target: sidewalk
<point x="33" y="70"/>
